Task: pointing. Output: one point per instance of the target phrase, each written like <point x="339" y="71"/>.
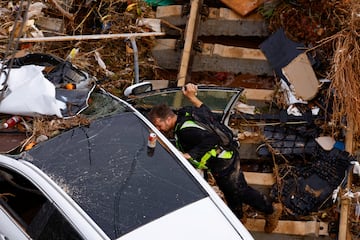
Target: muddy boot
<point x="273" y="219"/>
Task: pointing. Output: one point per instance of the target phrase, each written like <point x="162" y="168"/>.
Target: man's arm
<point x="190" y="91"/>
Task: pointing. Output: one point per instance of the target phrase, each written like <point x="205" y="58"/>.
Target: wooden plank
<point x="344" y="232"/>
<point x="220" y="22"/>
<point x="255" y="178"/>
<point x="172" y="14"/>
<point x="233" y="52"/>
<point x="258" y="94"/>
<point x="243" y="7"/>
<point x="189" y="37"/>
<point x="215" y="58"/>
<point x="299" y="228"/>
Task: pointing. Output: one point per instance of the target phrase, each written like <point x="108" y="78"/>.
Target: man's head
<point x="163" y="117"/>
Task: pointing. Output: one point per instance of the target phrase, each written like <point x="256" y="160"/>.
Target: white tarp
<point x="29" y="93"/>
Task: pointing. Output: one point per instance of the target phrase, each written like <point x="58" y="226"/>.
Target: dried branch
<point x="68" y="15"/>
<point x="345" y="75"/>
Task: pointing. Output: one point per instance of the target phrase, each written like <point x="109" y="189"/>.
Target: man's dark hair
<point x="161" y="111"/>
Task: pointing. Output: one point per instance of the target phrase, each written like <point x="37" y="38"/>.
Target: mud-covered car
<point x="102" y="181"/>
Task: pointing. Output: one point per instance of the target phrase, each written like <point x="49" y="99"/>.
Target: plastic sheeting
<point x="33" y="90"/>
<point x="30" y="93"/>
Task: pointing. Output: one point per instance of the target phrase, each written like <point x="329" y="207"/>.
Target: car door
<point x="220" y="100"/>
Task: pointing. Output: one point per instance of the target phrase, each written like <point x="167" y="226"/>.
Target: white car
<point x="102" y="182"/>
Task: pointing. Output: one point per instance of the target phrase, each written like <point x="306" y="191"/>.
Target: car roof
<point x="106" y="169"/>
<point x="122" y="190"/>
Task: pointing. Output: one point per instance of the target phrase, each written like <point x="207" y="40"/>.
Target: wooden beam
<point x="190" y="37"/>
<point x="299" y="228"/>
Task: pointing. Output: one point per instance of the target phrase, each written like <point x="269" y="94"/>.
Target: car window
<point x="216" y="98"/>
<point x="106" y="168"/>
<point x="102" y="104"/>
<point x="31" y="210"/>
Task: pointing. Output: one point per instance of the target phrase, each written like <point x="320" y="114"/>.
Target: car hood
<point x="199" y="220"/>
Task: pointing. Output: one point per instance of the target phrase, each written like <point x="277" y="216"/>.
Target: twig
<point x="63" y="12"/>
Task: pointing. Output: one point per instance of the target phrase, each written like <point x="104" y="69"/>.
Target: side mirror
<point x="138" y="88"/>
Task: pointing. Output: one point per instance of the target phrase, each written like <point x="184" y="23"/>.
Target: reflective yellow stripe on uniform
<point x="224" y="154"/>
<point x="190" y="123"/>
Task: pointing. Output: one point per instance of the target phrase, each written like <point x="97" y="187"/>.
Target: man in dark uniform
<point x="201" y="147"/>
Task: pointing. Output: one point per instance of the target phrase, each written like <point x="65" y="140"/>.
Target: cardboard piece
<point x="301" y="76"/>
<point x="243" y="7"/>
<point x="280" y="51"/>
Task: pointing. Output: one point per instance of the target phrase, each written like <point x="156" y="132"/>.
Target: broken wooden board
<point x="243" y="7"/>
<point x="301" y="75"/>
<point x="263" y="179"/>
<point x="220" y="22"/>
<point x="190" y="36"/>
<point x="258" y="94"/>
<point x="215" y="58"/>
<point x="299" y="228"/>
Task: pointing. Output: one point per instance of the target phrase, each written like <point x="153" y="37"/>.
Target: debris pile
<point x="108" y="63"/>
<point x="109" y="60"/>
<point x="316" y="72"/>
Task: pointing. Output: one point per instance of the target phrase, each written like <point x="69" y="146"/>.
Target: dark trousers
<point x="231" y="181"/>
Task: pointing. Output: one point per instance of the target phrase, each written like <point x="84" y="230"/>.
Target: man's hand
<point x="190" y="91"/>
